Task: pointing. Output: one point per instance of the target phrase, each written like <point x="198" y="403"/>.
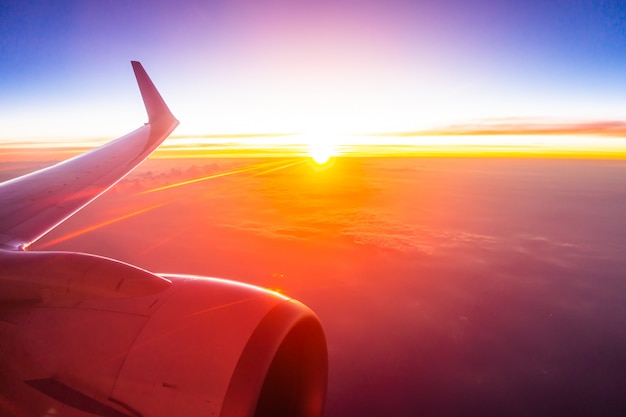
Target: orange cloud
<point x="521" y="127"/>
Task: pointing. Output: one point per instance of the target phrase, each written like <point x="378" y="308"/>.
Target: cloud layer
<point x="446" y="286"/>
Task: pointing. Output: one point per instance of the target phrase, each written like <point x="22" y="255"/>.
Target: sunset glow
<point x="343" y="68"/>
<point x="321" y="148"/>
<point x="442" y="182"/>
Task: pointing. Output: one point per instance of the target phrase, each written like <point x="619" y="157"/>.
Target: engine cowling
<point x="256" y="353"/>
<point x="196" y="347"/>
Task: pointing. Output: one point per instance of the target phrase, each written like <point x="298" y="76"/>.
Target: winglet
<point x="155" y="105"/>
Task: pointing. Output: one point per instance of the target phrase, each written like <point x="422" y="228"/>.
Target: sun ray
<point x="218" y="175"/>
<point x="278" y="168"/>
<point x="99" y="225"/>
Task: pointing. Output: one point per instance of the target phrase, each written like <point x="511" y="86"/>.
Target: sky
<point x="446" y="286"/>
<point x="324" y="69"/>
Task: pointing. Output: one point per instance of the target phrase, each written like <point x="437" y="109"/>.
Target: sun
<point x="321" y="151"/>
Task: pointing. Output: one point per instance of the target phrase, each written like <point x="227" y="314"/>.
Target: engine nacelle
<point x="216" y="347"/>
<point x="197" y="347"/>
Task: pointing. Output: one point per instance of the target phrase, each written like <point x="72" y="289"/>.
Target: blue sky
<point x="279" y="66"/>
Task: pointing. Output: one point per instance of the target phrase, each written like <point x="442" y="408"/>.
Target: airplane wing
<point x="34" y="204"/>
<point x="84" y="335"/>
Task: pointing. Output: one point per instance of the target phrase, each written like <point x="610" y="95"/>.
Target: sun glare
<point x="321" y="151"/>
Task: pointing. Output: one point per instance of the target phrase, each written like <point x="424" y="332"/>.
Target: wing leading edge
<point x="34" y="204"/>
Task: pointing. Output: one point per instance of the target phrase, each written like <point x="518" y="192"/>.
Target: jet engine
<point x="84" y="335"/>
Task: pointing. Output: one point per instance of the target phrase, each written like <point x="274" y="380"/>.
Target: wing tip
<point x="155" y="105"/>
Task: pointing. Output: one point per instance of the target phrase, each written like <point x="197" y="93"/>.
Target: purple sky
<point x="285" y="66"/>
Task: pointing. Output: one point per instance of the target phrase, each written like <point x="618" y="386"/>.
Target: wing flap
<point x="34" y="204"/>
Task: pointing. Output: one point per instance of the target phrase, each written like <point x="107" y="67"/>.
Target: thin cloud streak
<point x="520" y="127"/>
